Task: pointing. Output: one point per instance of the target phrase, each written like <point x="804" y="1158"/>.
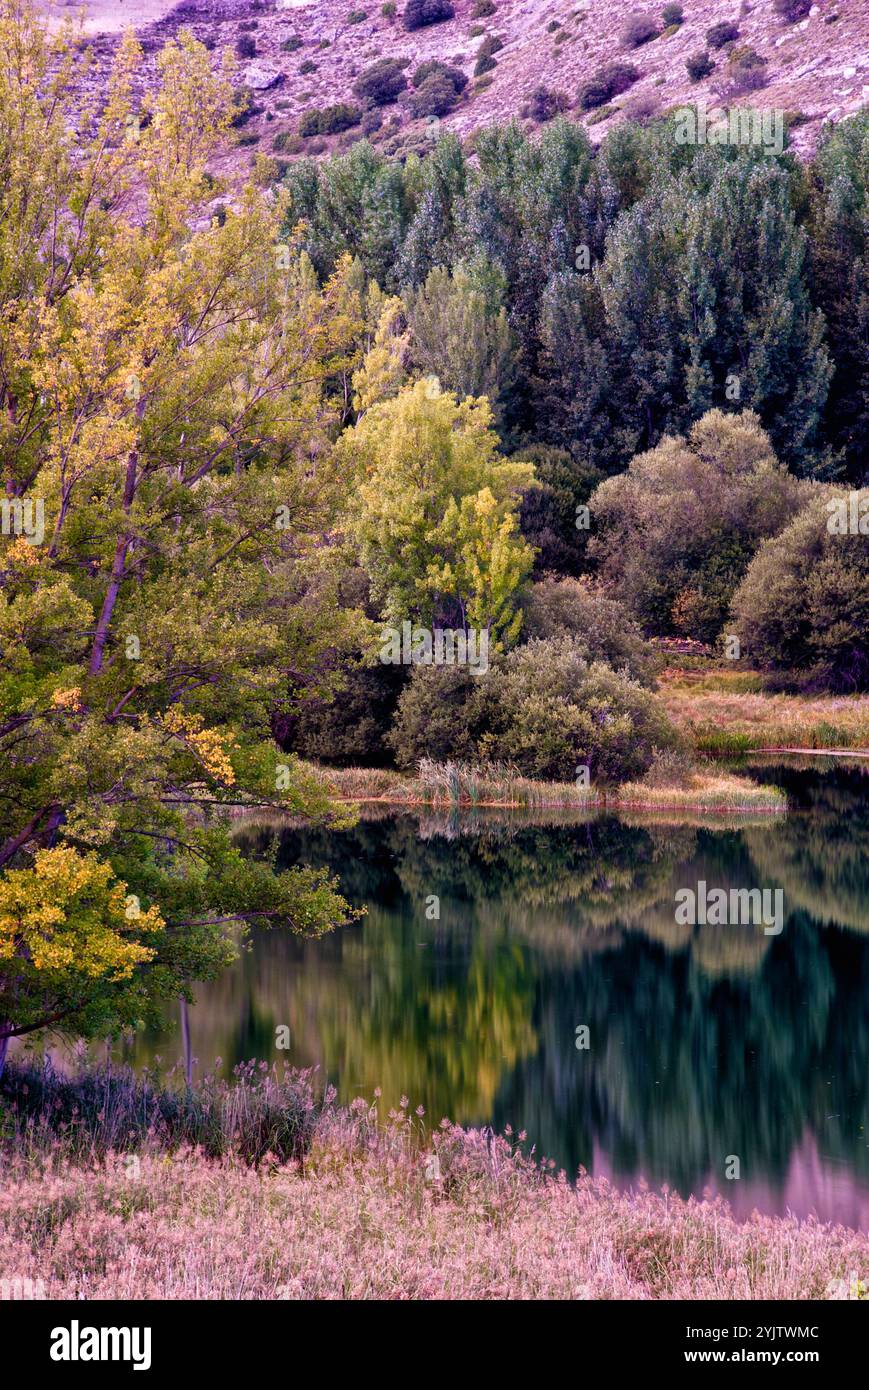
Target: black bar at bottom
<point x="83" y="1340"/>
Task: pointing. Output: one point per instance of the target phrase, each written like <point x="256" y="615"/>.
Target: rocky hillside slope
<point x="295" y="56"/>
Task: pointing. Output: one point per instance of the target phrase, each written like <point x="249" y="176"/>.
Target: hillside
<point x="304" y="54"/>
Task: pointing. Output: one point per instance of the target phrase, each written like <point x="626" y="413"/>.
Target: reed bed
<point x="106" y="1203"/>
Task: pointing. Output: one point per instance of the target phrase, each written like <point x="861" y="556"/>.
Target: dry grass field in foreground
<point x="303" y="1200"/>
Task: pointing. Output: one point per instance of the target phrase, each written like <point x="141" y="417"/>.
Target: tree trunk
<point x="188" y="1050"/>
<point x="117" y="575"/>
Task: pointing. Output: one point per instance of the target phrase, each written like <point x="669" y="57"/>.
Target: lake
<point x="490" y="939"/>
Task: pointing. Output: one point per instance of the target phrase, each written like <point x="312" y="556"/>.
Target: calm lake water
<point x="705" y="1042"/>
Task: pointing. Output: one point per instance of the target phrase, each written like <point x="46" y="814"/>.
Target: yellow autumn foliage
<point x="69" y="912"/>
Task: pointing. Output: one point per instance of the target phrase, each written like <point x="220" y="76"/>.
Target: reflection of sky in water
<point x="705" y="1041"/>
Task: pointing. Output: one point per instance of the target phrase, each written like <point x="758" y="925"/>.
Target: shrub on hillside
<point x="419" y="13"/>
<point x="287" y="142"/>
<point x="642" y="107"/>
<point x="485" y="63"/>
<point x="435" y="68"/>
<point x="483" y="8"/>
<point x="492" y="43"/>
<point x="245" y="46"/>
<point x="608" y="82"/>
<point x="673" y="14"/>
<point x="327" y="120"/>
<point x="803" y="605"/>
<point x="544" y="104"/>
<point x="382" y="83"/>
<point x="698" y="66"/>
<point x="436" y="96"/>
<point x="746" y="71"/>
<point x="639" y="29"/>
<point x="792" y="10"/>
<point x="722" y="33"/>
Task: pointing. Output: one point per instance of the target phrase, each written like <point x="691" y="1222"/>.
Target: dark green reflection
<point x="705" y="1041"/>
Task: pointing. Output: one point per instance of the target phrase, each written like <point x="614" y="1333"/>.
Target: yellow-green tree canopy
<point x="434" y="511"/>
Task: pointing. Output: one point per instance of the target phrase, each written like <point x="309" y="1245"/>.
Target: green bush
<point x="639" y="29"/>
<point x="485" y="63"/>
<point x="307" y="67"/>
<point x="389" y="9"/>
<point x="792" y="10"/>
<point x="435" y="96"/>
<point x="420" y="13"/>
<point x="673" y="14"/>
<point x="287" y="142"/>
<point x="601" y="626"/>
<point x="483" y="8"/>
<point x="803" y="605"/>
<point x="607" y="82"/>
<point x="357" y="16"/>
<point x="292" y="44"/>
<point x="543" y="708"/>
<point x="382" y="83"/>
<point x="435" y="68"/>
<point x="698" y="66"/>
<point x="553" y="711"/>
<point x="722" y="33"/>
<point x="245" y="46"/>
<point x="673" y="535"/>
<point x="328" y="120"/>
<point x="441" y="714"/>
<point x="746" y="71"/>
<point x="491" y="45"/>
<point x="544" y="104"/>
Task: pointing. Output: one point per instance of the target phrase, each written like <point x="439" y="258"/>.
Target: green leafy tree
<point x="434" y="513"/>
<point x="460" y="335"/>
<point x="673" y="535"/>
<point x="839" y="250"/>
<point x="165" y="406"/>
<point x="803" y="607"/>
<point x="706" y="302"/>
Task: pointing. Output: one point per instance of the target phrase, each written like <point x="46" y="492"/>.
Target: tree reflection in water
<point x="705" y="1041"/>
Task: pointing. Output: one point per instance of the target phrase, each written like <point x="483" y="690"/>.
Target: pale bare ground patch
<point x="105" y="16"/>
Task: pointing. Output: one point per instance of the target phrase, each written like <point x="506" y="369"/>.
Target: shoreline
<point x="447" y="787"/>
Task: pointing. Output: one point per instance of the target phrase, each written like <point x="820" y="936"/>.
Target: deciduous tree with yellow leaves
<point x="166" y="402"/>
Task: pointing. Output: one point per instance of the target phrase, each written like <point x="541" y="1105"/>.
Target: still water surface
<point x="705" y="1041"/>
